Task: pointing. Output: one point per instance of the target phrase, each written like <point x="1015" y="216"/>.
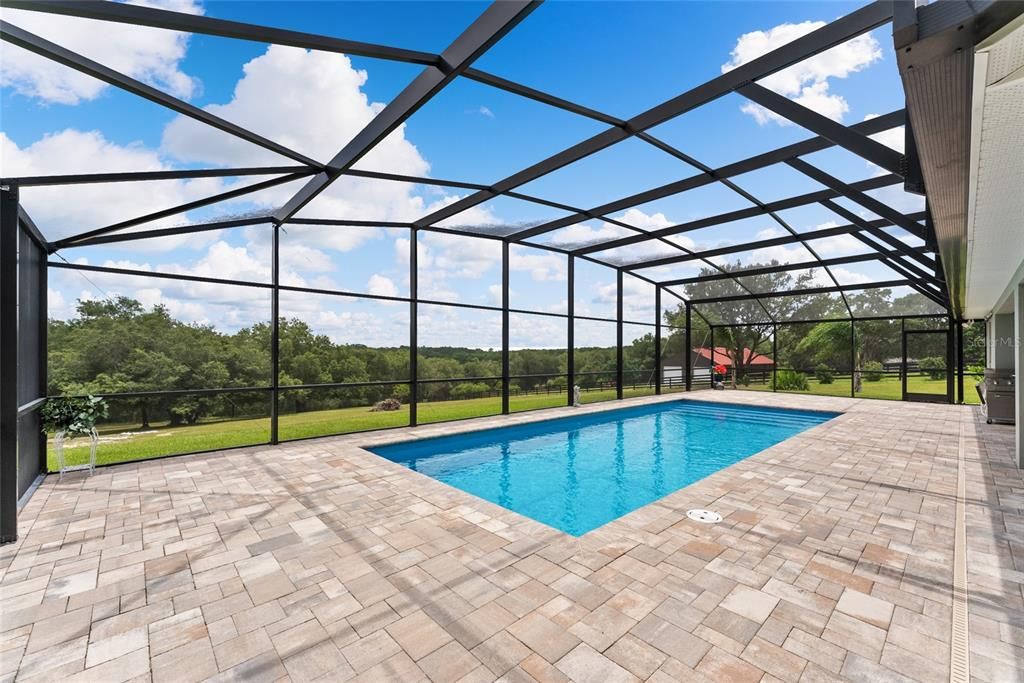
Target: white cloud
<point x="542" y="265"/>
<point x="807" y="82"/>
<point x="380" y="285"/>
<point x="895" y="138"/>
<point x="485" y="111"/>
<point x="64" y="211"/>
<point x="317" y="106"/>
<point x="149" y="54"/>
<point x="588" y="233"/>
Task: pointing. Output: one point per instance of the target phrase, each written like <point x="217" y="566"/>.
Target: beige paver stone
<point x="397" y="668"/>
<point x="602" y="627"/>
<point x="269" y="587"/>
<point x="855" y="635"/>
<point x="865" y="607"/>
<point x="241" y="648"/>
<point x="543" y="636"/>
<point x="672" y="640"/>
<point x="450" y="662"/>
<point x="58" y="629"/>
<point x="828" y="656"/>
<point x="418" y="634"/>
<point x="117" y="645"/>
<point x="860" y="669"/>
<point x="584" y="663"/>
<point x="126" y="667"/>
<point x="752" y="604"/>
<point x="635" y="656"/>
<point x="719" y="665"/>
<point x="370" y="651"/>
<point x="774" y="660"/>
<point x="265" y="667"/>
<point x="500" y="653"/>
<point x="317" y="660"/>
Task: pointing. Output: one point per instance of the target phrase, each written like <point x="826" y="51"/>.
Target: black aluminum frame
<point x="919" y="267"/>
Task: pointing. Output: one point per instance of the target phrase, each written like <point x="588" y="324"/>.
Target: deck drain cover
<point x="706" y="516"/>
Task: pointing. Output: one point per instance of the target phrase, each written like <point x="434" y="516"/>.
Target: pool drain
<point x="705" y="516"/>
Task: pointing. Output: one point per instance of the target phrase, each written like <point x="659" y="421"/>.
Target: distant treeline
<point x="117" y="346"/>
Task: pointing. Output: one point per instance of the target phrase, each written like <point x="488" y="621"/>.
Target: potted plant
<point x="69" y="416"/>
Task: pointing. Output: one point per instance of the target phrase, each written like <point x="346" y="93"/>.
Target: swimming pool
<point x="580" y="472"/>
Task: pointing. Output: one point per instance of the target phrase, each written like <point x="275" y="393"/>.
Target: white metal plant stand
<point x="58" y="446"/>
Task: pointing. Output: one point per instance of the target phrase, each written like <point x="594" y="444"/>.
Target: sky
<point x="618" y="58"/>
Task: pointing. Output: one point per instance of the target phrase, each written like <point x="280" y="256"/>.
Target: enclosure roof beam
<point x="136" y="176"/>
<point x="40" y="46"/>
<point x="166" y="232"/>
<point x="748" y="246"/>
<point x="856" y="195"/>
<point x="736" y="215"/>
<point x="759" y="161"/>
<point x="839" y="31"/>
<point x="181" y="208"/>
<point x="861" y="145"/>
<point x="809" y="290"/>
<point x="782" y="268"/>
<point x="196" y="23"/>
<point x="881" y="235"/>
<point x="497" y="20"/>
<point x="540" y="96"/>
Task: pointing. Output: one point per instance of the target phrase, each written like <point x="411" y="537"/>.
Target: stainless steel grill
<point x="997" y="393"/>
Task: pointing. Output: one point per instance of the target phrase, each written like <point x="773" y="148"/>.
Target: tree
<point x="749" y="322"/>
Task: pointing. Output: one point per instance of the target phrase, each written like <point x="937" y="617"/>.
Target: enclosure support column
<point x="711" y="363"/>
<point x="853" y="359"/>
<point x="8" y="364"/>
<point x="903" y="359"/>
<point x="618" y="336"/>
<point x="775" y="352"/>
<point x="275" y="331"/>
<point x="413" y="322"/>
<point x="570" y="341"/>
<point x="688" y="351"/>
<point x="1017" y="348"/>
<point x="960" y="362"/>
<point x="657" y="339"/>
<point x="504" y="329"/>
<point x="950" y="359"/>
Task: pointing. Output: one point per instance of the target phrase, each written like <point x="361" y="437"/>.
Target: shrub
<point x="745" y="380"/>
<point x="933" y="366"/>
<point x="823" y="374"/>
<point x="871" y="371"/>
<point x="386" y="404"/>
<point x="72" y="414"/>
<point x="791" y="380"/>
<point x="469" y="390"/>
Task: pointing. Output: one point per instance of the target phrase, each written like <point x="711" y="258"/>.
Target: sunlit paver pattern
<point x="319" y="560"/>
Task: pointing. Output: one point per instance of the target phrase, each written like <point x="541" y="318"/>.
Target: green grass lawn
<point x="124" y="443"/>
<point x="886" y="388"/>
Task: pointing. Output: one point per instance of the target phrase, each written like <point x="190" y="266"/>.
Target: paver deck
<point x="317" y="559"/>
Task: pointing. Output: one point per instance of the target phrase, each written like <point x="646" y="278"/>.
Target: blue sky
<point x="618" y="58"/>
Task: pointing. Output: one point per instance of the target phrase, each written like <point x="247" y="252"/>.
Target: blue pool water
<point x="578" y="473"/>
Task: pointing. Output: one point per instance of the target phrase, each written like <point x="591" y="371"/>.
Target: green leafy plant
<point x="871" y="371"/>
<point x="791" y="380"/>
<point x="823" y="373"/>
<point x="72" y="414"/>
<point x="933" y="366"/>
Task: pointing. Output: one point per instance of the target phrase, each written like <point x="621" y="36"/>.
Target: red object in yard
<point x="720" y="369"/>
